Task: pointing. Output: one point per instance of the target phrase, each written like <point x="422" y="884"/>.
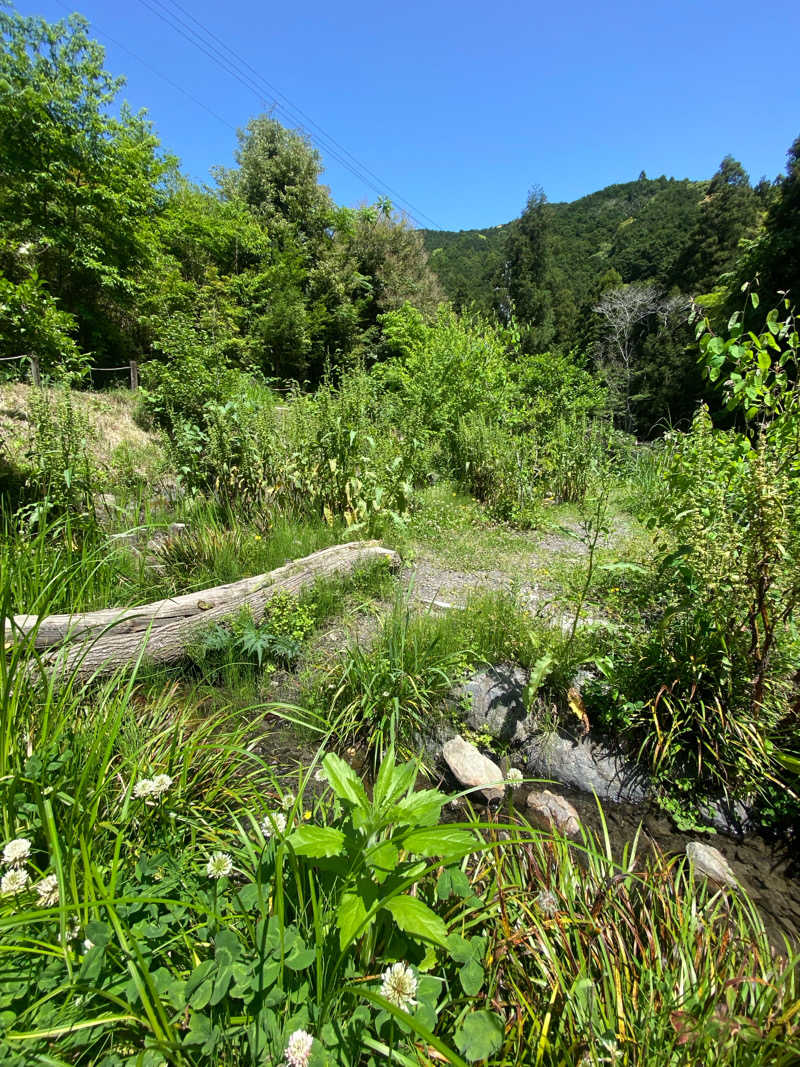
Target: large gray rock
<point x="472" y="769"/>
<point x="710" y="862"/>
<point x="732" y="818"/>
<point x="495" y="701"/>
<point x="584" y="765"/>
<point x="550" y="811"/>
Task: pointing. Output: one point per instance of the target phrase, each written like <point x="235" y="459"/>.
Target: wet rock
<point x="550" y="811"/>
<point x="710" y="862"/>
<point x="585" y="765"/>
<point x="733" y="818"/>
<point x="431" y="743"/>
<point x="496" y="702"/>
<point x="472" y="769"/>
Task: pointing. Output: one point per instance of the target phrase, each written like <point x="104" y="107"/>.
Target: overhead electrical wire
<point x="293" y="110"/>
<point x="154" y="70"/>
<point x="215" y="49"/>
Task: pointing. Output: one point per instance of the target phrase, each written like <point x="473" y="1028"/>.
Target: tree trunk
<point x="99" y="642"/>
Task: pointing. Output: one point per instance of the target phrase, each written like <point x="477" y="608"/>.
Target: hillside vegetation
<point x="638" y="229"/>
<point x="304" y="837"/>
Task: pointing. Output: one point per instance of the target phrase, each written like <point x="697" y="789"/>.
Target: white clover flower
<point x="287" y="802"/>
<point x="219" y="866"/>
<point x="72" y="931"/>
<point x="273" y="821"/>
<point x="399" y="985"/>
<point x="16" y="852"/>
<point x="14" y="881"/>
<point x="47" y="890"/>
<point x="143" y="788"/>
<point x="514" y="777"/>
<point x="546" y="903"/>
<point x="320" y="775"/>
<point x="298" y="1051"/>
<point x="160" y="784"/>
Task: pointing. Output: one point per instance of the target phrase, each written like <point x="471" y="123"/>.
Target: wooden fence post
<point x="36" y="378"/>
<point x="134" y="375"/>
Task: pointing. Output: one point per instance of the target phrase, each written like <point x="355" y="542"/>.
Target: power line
<point x="292" y="107"/>
<point x="214" y="49"/>
<point x="154" y="70"/>
<point x="217" y="57"/>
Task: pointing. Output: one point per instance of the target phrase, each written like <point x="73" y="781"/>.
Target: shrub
<point x="60" y="468"/>
<point x="705" y="694"/>
<point x="498" y="467"/>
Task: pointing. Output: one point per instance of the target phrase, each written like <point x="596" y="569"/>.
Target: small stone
<point x="125" y="540"/>
<point x="710" y="862"/>
<point x="550" y="811"/>
<point x="472" y="769"/>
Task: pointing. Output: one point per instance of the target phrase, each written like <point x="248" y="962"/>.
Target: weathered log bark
<point x="99" y="642"/>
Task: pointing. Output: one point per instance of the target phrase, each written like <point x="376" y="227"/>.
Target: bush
<point x="176" y="391"/>
<point x="703" y="694"/>
<point x="498" y="468"/>
<point x="60" y="470"/>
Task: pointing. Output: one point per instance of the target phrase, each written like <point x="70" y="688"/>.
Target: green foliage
<point x="60" y="471"/>
<point x="383" y="697"/>
<point x="278" y="637"/>
<point x="453" y="367"/>
<point x="526" y="276"/>
<point x="727" y="215"/>
<point x="553" y="386"/>
<point x="498" y="467"/>
<point x="638" y="229"/>
<point x="81" y="186"/>
<point x="704" y="692"/>
<point x="32" y="324"/>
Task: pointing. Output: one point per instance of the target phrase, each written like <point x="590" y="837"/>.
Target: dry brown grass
<point x="110" y="417"/>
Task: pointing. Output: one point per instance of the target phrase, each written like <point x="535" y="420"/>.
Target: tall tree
<point x="525" y="289"/>
<point x="278" y="176"/>
<point x="728" y="213"/>
<point x="80" y="188"/>
<point x="388" y="263"/>
<point x="775" y="257"/>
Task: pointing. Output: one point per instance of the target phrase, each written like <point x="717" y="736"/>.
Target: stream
<point x="768" y="870"/>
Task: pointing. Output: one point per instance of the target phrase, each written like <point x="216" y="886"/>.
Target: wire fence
<point x="132" y="368"/>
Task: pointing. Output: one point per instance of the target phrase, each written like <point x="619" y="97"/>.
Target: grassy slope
<point x="111" y="426"/>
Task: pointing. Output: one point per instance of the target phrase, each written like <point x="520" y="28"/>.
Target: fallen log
<point x="99" y="642"/>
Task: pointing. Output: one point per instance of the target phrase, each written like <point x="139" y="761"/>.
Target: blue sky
<point x="462" y="108"/>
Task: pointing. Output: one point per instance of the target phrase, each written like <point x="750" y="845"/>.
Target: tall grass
<point x="598" y="960"/>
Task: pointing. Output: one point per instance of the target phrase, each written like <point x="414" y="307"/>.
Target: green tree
<point x="386" y="261"/>
<point x="774" y="258"/>
<point x="728" y="213"/>
<point x="525" y="280"/>
<point x="278" y="177"/>
<point x="80" y="189"/>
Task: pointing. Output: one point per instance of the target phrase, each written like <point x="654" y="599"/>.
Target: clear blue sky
<point x="462" y="107"/>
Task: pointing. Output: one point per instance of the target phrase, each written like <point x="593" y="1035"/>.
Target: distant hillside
<point x="637" y="228"/>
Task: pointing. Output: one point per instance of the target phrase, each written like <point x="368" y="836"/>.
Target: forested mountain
<point x="639" y="229"/>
